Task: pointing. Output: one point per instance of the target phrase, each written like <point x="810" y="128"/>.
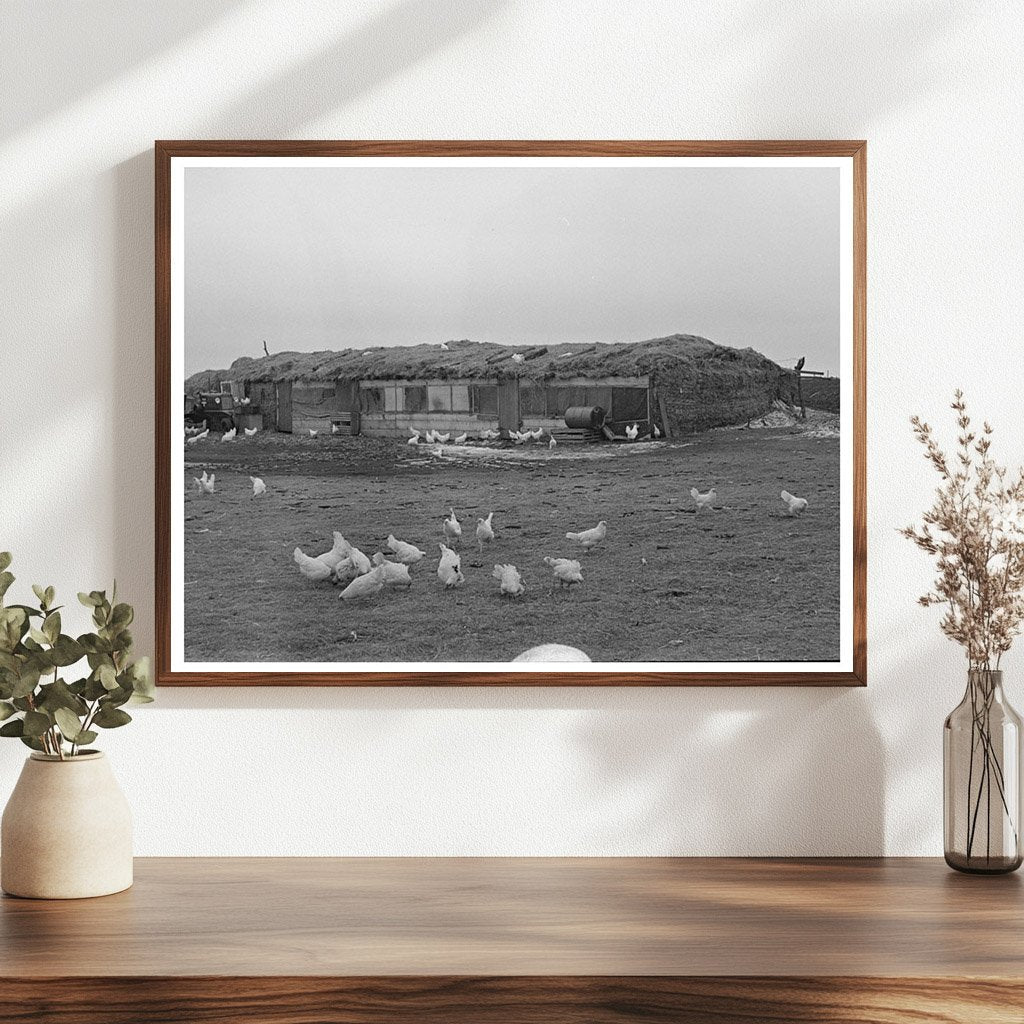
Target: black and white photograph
<point x="436" y="414"/>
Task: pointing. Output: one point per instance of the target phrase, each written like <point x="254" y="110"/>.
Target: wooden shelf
<point x="506" y="940"/>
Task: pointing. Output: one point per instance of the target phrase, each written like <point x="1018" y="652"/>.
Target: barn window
<point x="460" y="398"/>
<point x="415" y="398"/>
<point x="629" y="404"/>
<point x="394" y="399"/>
<point x="371" y="400"/>
<point x="531" y="400"/>
<point x="439" y="397"/>
<point x="485" y="399"/>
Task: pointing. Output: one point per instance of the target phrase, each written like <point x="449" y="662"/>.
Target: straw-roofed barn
<point x="683" y="383"/>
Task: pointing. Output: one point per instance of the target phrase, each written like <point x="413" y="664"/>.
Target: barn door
<point x="508" y="406"/>
<point x="284" y="406"/>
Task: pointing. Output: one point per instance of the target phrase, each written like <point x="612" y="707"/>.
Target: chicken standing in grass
<point x="395" y="574"/>
<point x="794" y="504"/>
<point x="313" y="433"/>
<point x="258" y="486"/>
<point x="442" y="438"/>
<point x="345" y="571"/>
<point x="407" y="554"/>
<point x="704" y="501"/>
<point x="589" y="539"/>
<point x="251" y="431"/>
<point x="360" y="561"/>
<point x="229" y="435"/>
<point x="312" y="568"/>
<point x="449" y="568"/>
<point x="205" y="483"/>
<point x="484" y="530"/>
<point x="566" y="570"/>
<point x="462" y="439"/>
<point x="632" y="432"/>
<point x="196" y="438"/>
<point x="364" y="587"/>
<point x="511" y="580"/>
<point x="337" y="553"/>
<point x="452" y="528"/>
<point x="552" y="443"/>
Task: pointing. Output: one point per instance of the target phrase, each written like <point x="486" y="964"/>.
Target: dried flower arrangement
<point x="975" y="529"/>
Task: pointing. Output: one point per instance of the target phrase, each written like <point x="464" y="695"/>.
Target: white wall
<point x="935" y="87"/>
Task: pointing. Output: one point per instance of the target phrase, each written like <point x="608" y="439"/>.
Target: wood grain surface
<point x="166" y="150"/>
<point x="504" y="940"/>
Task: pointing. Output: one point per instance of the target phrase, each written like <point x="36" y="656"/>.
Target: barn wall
<point x="398" y="424"/>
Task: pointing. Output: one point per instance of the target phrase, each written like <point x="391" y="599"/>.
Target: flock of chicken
<point x="363" y="577"/>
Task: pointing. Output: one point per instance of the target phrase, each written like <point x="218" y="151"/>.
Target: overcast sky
<point x="330" y="258"/>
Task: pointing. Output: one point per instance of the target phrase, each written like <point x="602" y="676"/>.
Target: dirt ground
<point x="742" y="583"/>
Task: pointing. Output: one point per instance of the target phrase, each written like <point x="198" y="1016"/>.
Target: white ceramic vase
<point x="66" y="831"/>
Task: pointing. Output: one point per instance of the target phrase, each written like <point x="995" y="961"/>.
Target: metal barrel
<point x="585" y="416"/>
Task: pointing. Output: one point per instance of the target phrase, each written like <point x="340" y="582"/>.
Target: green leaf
<point x="107" y="676"/>
<point x="5" y="560"/>
<point x="69" y="724"/>
<point x="59" y="695"/>
<point x="31" y="741"/>
<point x="50" y="595"/>
<point x="6" y="710"/>
<point x="6" y="579"/>
<point x="27" y="682"/>
<point x="16" y="727"/>
<point x="122" y="616"/>
<point x="108" y="718"/>
<point x="36" y="723"/>
<point x="38" y="635"/>
<point x="40" y="593"/>
<point x="51" y="626"/>
<point x="142" y="682"/>
<point x="66" y="651"/>
<point x="13" y="626"/>
<point x="86" y="736"/>
<point x="89" y="600"/>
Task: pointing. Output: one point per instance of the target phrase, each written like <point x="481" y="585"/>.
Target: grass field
<point x="743" y="583"/>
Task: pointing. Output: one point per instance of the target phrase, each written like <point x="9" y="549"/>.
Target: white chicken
<point x="657" y="431"/>
<point x="360" y="562"/>
<point x="462" y="439"/>
<point x="511" y="580"/>
<point x="246" y="401"/>
<point x="552" y="443"/>
<point x="335" y="429"/>
<point x="485" y="530"/>
<point x="444" y="346"/>
<point x="452" y="528"/>
<point x="312" y="568"/>
<point x="632" y="432"/>
<point x="518" y="357"/>
<point x="313" y="433"/>
<point x="366" y="586"/>
<point x="536" y="435"/>
<point x="407" y="554"/>
<point x="442" y="438"/>
<point x="566" y="570"/>
<point x="794" y="504"/>
<point x="415" y="433"/>
<point x="205" y="483"/>
<point x="589" y="539"/>
<point x="338" y="552"/>
<point x="251" y="431"/>
<point x="413" y="441"/>
<point x="395" y="574"/>
<point x="229" y="435"/>
<point x="345" y="571"/>
<point x="258" y="486"/>
<point x="704" y="501"/>
<point x="431" y="436"/>
<point x="449" y="568"/>
<point x="196" y="438"/>
<point x="519" y="437"/>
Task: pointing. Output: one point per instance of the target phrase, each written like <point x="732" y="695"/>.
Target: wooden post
<point x="799" y="387"/>
<point x="664" y="417"/>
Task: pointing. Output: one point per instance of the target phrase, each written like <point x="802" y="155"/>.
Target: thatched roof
<point x="471" y="360"/>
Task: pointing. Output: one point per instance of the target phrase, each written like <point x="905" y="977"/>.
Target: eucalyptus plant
<point x="37" y="703"/>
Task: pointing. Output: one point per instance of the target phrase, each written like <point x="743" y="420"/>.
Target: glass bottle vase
<point x="981" y="771"/>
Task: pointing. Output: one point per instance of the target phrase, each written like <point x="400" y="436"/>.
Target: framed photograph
<point x="510" y="413"/>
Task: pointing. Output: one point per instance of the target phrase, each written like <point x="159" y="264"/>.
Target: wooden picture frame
<point x="849" y="157"/>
